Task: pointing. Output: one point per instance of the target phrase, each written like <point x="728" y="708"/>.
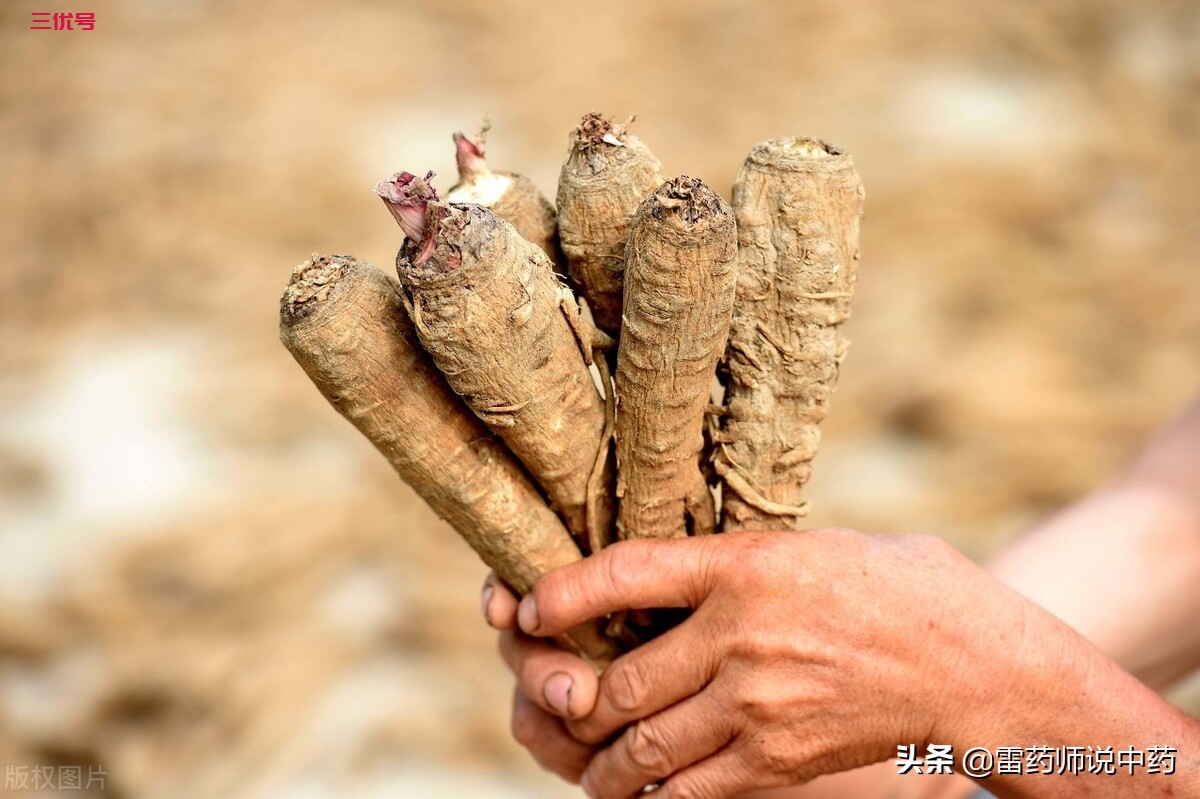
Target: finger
<point x="557" y="681"/>
<point x="546" y="739"/>
<point x="722" y="775"/>
<point x="658" y="746"/>
<point x="499" y="603"/>
<point x="626" y="575"/>
<point x="676" y="665"/>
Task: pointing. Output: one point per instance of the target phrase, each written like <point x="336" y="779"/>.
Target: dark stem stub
<point x="594" y="130"/>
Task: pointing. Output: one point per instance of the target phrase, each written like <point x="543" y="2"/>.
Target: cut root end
<point x="596" y="131"/>
<point x="311" y="283"/>
<point x="808" y="148"/>
<point x="689" y="200"/>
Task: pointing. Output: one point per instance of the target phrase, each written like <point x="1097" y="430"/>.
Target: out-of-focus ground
<point x="209" y="585"/>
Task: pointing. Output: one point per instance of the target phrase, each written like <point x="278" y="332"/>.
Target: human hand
<point x="562" y="685"/>
<point x="806" y="654"/>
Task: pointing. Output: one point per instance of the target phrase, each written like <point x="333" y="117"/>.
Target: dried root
<point x="798" y="204"/>
<point x="510" y="196"/>
<point x="499" y="325"/>
<point x="679" y="289"/>
<point x="480" y="338"/>
<point x="346" y="325"/>
<point x="607" y="174"/>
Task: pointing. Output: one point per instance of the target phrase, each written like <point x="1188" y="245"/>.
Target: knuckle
<point x="569" y="774"/>
<point x="930" y="545"/>
<point x="565" y="768"/>
<point x="755" y="645"/>
<point x="622" y="560"/>
<point x="626" y="687"/>
<point x="758" y="558"/>
<point x="647" y="749"/>
<point x="589" y="731"/>
<point x="925" y="542"/>
<point x="931" y="553"/>
<point x="775" y="757"/>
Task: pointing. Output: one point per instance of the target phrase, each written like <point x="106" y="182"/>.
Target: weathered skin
<point x="504" y="331"/>
<point x="607" y="174"/>
<point x="798" y="204"/>
<point x="345" y="323"/>
<point x="680" y="272"/>
<point x="510" y="196"/>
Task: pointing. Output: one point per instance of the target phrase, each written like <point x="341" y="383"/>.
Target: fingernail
<point x="557" y="691"/>
<point x="586" y="784"/>
<point x="527" y="614"/>
<point x="485" y="602"/>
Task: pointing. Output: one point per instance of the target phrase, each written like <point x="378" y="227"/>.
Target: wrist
<point x="999" y="665"/>
<point x="1024" y="669"/>
<point x="1056" y="692"/>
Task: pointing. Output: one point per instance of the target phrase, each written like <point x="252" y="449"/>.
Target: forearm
<point x="1122" y="567"/>
<point x="1057" y="690"/>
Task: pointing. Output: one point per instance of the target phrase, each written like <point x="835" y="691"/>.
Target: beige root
<point x="510" y="196"/>
<point x="509" y="338"/>
<point x="607" y="174"/>
<point x="798" y="204"/>
<point x="680" y="274"/>
<point x="345" y="323"/>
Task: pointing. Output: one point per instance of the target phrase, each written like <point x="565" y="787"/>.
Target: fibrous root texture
<point x="798" y="204"/>
<point x="680" y="271"/>
<point x="482" y="379"/>
<point x="607" y="174"/>
<point x="504" y="331"/>
<point x="510" y="196"/>
<point x="345" y="323"/>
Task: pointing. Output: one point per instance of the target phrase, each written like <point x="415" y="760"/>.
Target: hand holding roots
<point x="475" y="374"/>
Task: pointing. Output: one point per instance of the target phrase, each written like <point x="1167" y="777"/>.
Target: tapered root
<point x="679" y="286"/>
<point x="798" y="204"/>
<point x="345" y="323"/>
<point x="608" y="172"/>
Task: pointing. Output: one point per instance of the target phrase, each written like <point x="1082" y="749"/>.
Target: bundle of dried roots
<point x="682" y="396"/>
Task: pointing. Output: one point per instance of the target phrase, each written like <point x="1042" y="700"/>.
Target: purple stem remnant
<point x="471" y="157"/>
<point x="408" y="197"/>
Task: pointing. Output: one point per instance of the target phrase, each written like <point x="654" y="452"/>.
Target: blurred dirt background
<point x="211" y="586"/>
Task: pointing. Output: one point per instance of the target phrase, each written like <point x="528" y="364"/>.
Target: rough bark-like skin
<point x="345" y="323"/>
<point x="798" y="204"/>
<point x="607" y="174"/>
<point x="490" y="311"/>
<point x="534" y="217"/>
<point x="680" y="276"/>
<point x="513" y="198"/>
